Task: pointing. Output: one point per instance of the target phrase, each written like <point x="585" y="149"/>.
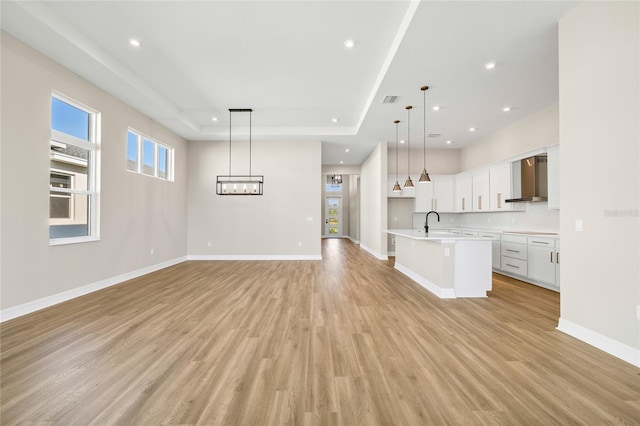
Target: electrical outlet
<point x="152" y="252"/>
<point x="208" y="243"/>
<point x="299" y="243"/>
<point x="447" y="251"/>
<point x="578" y="225"/>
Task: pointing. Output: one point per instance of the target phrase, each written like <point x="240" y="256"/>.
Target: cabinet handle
<point x="479" y="202"/>
<point x="463" y="203"/>
<point x="551" y="253"/>
<point x="513" y="251"/>
<point x="498" y="196"/>
<point x="540" y="242"/>
<point x="513" y="266"/>
<point x="558" y="257"/>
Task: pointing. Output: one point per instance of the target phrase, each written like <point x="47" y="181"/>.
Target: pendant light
<point x="424" y="177"/>
<point x="396" y="187"/>
<point x="408" y="183"/>
<point x="239" y="184"/>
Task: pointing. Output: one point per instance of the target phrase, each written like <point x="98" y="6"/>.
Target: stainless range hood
<point x="532" y="183"/>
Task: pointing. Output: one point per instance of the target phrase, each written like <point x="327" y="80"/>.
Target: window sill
<point x="73" y="240"/>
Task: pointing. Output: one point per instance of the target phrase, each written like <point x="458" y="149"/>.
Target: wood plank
<point x="343" y="341"/>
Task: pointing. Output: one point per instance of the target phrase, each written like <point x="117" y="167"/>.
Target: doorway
<point x="333" y="216"/>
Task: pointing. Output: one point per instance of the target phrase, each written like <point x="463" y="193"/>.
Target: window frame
<point x="140" y="139"/>
<point x="93" y="170"/>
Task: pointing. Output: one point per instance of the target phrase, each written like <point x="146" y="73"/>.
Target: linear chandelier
<point x="239" y="184"/>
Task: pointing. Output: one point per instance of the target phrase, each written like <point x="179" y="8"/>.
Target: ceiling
<point x="287" y="60"/>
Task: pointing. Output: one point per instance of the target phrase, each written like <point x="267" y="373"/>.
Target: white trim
<point x="45" y="302"/>
<point x="391" y="253"/>
<point x="72" y="240"/>
<point x="376" y="254"/>
<point x="254" y="257"/>
<point x="442" y="293"/>
<point x="600" y="341"/>
<point x="353" y="240"/>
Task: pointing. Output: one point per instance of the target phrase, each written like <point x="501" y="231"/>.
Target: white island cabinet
<point x="446" y="264"/>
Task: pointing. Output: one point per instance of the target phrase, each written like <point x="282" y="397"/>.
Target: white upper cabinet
<point x="481" y="191"/>
<point x="501" y="187"/>
<point x="553" y="176"/>
<point x="437" y="195"/>
<point x="463" y="193"/>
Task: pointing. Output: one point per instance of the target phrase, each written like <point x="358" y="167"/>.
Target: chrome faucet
<point x="426" y="223"/>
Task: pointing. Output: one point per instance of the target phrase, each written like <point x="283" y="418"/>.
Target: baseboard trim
<point x="254" y="257"/>
<point x="45" y="302"/>
<point x="353" y="240"/>
<point x="442" y="293"/>
<point x="600" y="341"/>
<point x="376" y="254"/>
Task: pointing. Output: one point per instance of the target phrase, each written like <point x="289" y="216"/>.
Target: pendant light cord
<point x="424" y="127"/>
<point x="397" y="152"/>
<point x="408" y="141"/>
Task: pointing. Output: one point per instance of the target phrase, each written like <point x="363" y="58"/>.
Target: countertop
<point x="435" y="235"/>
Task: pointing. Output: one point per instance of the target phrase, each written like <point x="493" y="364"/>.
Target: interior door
<point x="333" y="216"/>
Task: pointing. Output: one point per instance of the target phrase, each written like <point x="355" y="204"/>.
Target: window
<point x="148" y="157"/>
<point x="72" y="172"/>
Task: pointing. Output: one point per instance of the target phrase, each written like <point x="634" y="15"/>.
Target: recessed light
<point x="346" y="150"/>
<point x="214" y="118"/>
<point x="134" y="42"/>
<point x="335" y="120"/>
<point x="490" y="65"/>
<point x="436" y="108"/>
<point x="349" y="44"/>
<point x="472" y="129"/>
<point x="506" y="109"/>
<point x="402" y="141"/>
<point x="448" y="142"/>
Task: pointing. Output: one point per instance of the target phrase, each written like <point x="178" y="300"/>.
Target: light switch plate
<point x="578" y="225"/>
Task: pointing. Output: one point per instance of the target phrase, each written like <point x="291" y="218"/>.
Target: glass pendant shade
<point x="396" y="187"/>
<point x="408" y="183"/>
<point x="424" y="177"/>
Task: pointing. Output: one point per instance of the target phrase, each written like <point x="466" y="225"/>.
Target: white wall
<point x="137" y="213"/>
<point x="274" y="224"/>
<point x="439" y="161"/>
<point x="600" y="177"/>
<point x="373" y="202"/>
<point x="535" y="131"/>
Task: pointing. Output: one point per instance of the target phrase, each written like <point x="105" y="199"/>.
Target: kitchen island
<point x="446" y="264"/>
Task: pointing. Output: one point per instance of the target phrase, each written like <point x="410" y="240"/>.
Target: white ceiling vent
<point x="390" y="99"/>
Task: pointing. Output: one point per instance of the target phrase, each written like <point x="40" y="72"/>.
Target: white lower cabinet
<point x="543" y="261"/>
<point x="514" y="255"/>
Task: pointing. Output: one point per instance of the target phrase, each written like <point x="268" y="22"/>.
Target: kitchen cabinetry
<point x="464" y="193"/>
<point x="480" y="185"/>
<point x="501" y="188"/>
<point x="514" y="254"/>
<point x="406" y="192"/>
<point x="437" y="195"/>
<point x="553" y="177"/>
<point x="496" y="254"/>
<point x="544" y="262"/>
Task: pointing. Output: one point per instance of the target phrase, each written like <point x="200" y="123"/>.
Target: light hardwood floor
<point x="347" y="340"/>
